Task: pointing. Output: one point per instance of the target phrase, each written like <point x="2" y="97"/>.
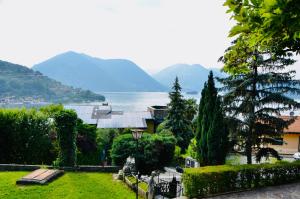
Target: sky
<point x="152" y="33"/>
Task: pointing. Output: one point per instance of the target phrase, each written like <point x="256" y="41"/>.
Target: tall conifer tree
<point x="257" y="94"/>
<point x="211" y="133"/>
<point x="176" y="119"/>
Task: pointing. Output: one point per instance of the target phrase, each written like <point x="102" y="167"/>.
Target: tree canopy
<point x="266" y="25"/>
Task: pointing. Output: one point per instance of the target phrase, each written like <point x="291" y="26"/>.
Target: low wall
<point x="18" y="167"/>
<point x="133" y="187"/>
<point x="83" y="168"/>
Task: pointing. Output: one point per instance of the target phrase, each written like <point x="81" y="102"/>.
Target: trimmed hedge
<point x="213" y="180"/>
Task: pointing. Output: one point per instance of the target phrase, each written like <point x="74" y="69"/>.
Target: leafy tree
<point x="267" y="25"/>
<point x="154" y="151"/>
<point x="86" y="137"/>
<point x="65" y="121"/>
<point x="255" y="98"/>
<point x="211" y="133"/>
<point x="176" y="120"/>
<point x="192" y="149"/>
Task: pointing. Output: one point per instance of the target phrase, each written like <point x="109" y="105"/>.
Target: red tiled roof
<point x="294" y="127"/>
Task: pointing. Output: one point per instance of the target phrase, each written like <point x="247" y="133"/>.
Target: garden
<point x="243" y="116"/>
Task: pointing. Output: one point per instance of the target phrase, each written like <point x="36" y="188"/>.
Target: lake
<point x="139" y="101"/>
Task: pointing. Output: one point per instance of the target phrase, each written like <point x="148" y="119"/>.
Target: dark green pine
<point x="176" y="119"/>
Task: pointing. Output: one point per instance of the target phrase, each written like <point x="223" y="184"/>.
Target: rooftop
<point x="104" y="117"/>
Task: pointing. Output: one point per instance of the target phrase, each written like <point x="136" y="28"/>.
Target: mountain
<point x="98" y="75"/>
<point x="22" y="82"/>
<point x="191" y="77"/>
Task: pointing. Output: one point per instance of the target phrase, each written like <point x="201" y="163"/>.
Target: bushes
<point x="65" y="121"/>
<point x="24" y="137"/>
<point x="154" y="152"/>
<point x="211" y="180"/>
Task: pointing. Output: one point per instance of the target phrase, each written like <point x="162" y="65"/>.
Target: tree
<point x="154" y="151"/>
<point x="176" y="120"/>
<point x="267" y="25"/>
<point x="191" y="109"/>
<point x="65" y="121"/>
<point x="211" y="133"/>
<point x="255" y="98"/>
<point x="217" y="137"/>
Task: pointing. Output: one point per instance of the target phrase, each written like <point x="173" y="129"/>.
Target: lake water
<point x="139" y="101"/>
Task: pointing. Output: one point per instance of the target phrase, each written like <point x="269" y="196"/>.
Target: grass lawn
<point x="70" y="185"/>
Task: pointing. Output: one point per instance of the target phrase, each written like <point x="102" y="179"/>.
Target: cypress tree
<point x="217" y="137"/>
<point x="176" y="119"/>
<point x="211" y="133"/>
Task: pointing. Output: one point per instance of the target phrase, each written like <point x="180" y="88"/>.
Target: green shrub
<point x="105" y="139"/>
<point x="65" y="121"/>
<point x="205" y="181"/>
<point x="154" y="151"/>
<point x="25" y="137"/>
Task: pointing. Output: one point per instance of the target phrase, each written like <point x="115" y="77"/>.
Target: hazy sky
<point x="152" y="33"/>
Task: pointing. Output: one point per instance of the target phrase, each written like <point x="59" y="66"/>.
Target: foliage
<point x="192" y="149"/>
<point x="267" y="25"/>
<point x="255" y="100"/>
<point x="176" y="120"/>
<point x="206" y="181"/>
<point x="70" y="185"/>
<point x="105" y="139"/>
<point x="65" y="121"/>
<point x="87" y="150"/>
<point x="22" y="82"/>
<point x="51" y="109"/>
<point x="191" y="109"/>
<point x="25" y="137"/>
<point x="211" y="133"/>
<point x="154" y="151"/>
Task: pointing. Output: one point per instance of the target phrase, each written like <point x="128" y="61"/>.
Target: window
<point x="278" y="141"/>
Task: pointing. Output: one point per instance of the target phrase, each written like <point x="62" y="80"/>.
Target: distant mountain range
<point x="98" y="75"/>
<point x="191" y="77"/>
<point x="21" y="82"/>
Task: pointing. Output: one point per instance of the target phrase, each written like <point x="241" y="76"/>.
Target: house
<point x="133" y="120"/>
<point x="291" y="138"/>
<point x="104" y="117"/>
<point x="158" y="113"/>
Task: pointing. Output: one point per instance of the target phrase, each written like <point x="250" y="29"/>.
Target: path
<point x="289" y="191"/>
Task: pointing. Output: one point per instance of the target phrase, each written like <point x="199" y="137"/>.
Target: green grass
<point x="70" y="185"/>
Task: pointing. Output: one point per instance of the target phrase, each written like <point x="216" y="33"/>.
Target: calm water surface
<point x="139" y="101"/>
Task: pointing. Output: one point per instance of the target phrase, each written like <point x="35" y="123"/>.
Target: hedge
<point x="214" y="180"/>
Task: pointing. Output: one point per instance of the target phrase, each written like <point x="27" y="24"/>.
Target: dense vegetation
<point x="178" y="120"/>
<point x="260" y="82"/>
<point x="29" y="136"/>
<point x="26" y="137"/>
<point x="212" y="132"/>
<point x="154" y="151"/>
<point x="205" y="181"/>
<point x="65" y="122"/>
<point x="70" y="185"/>
<point x="21" y="82"/>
